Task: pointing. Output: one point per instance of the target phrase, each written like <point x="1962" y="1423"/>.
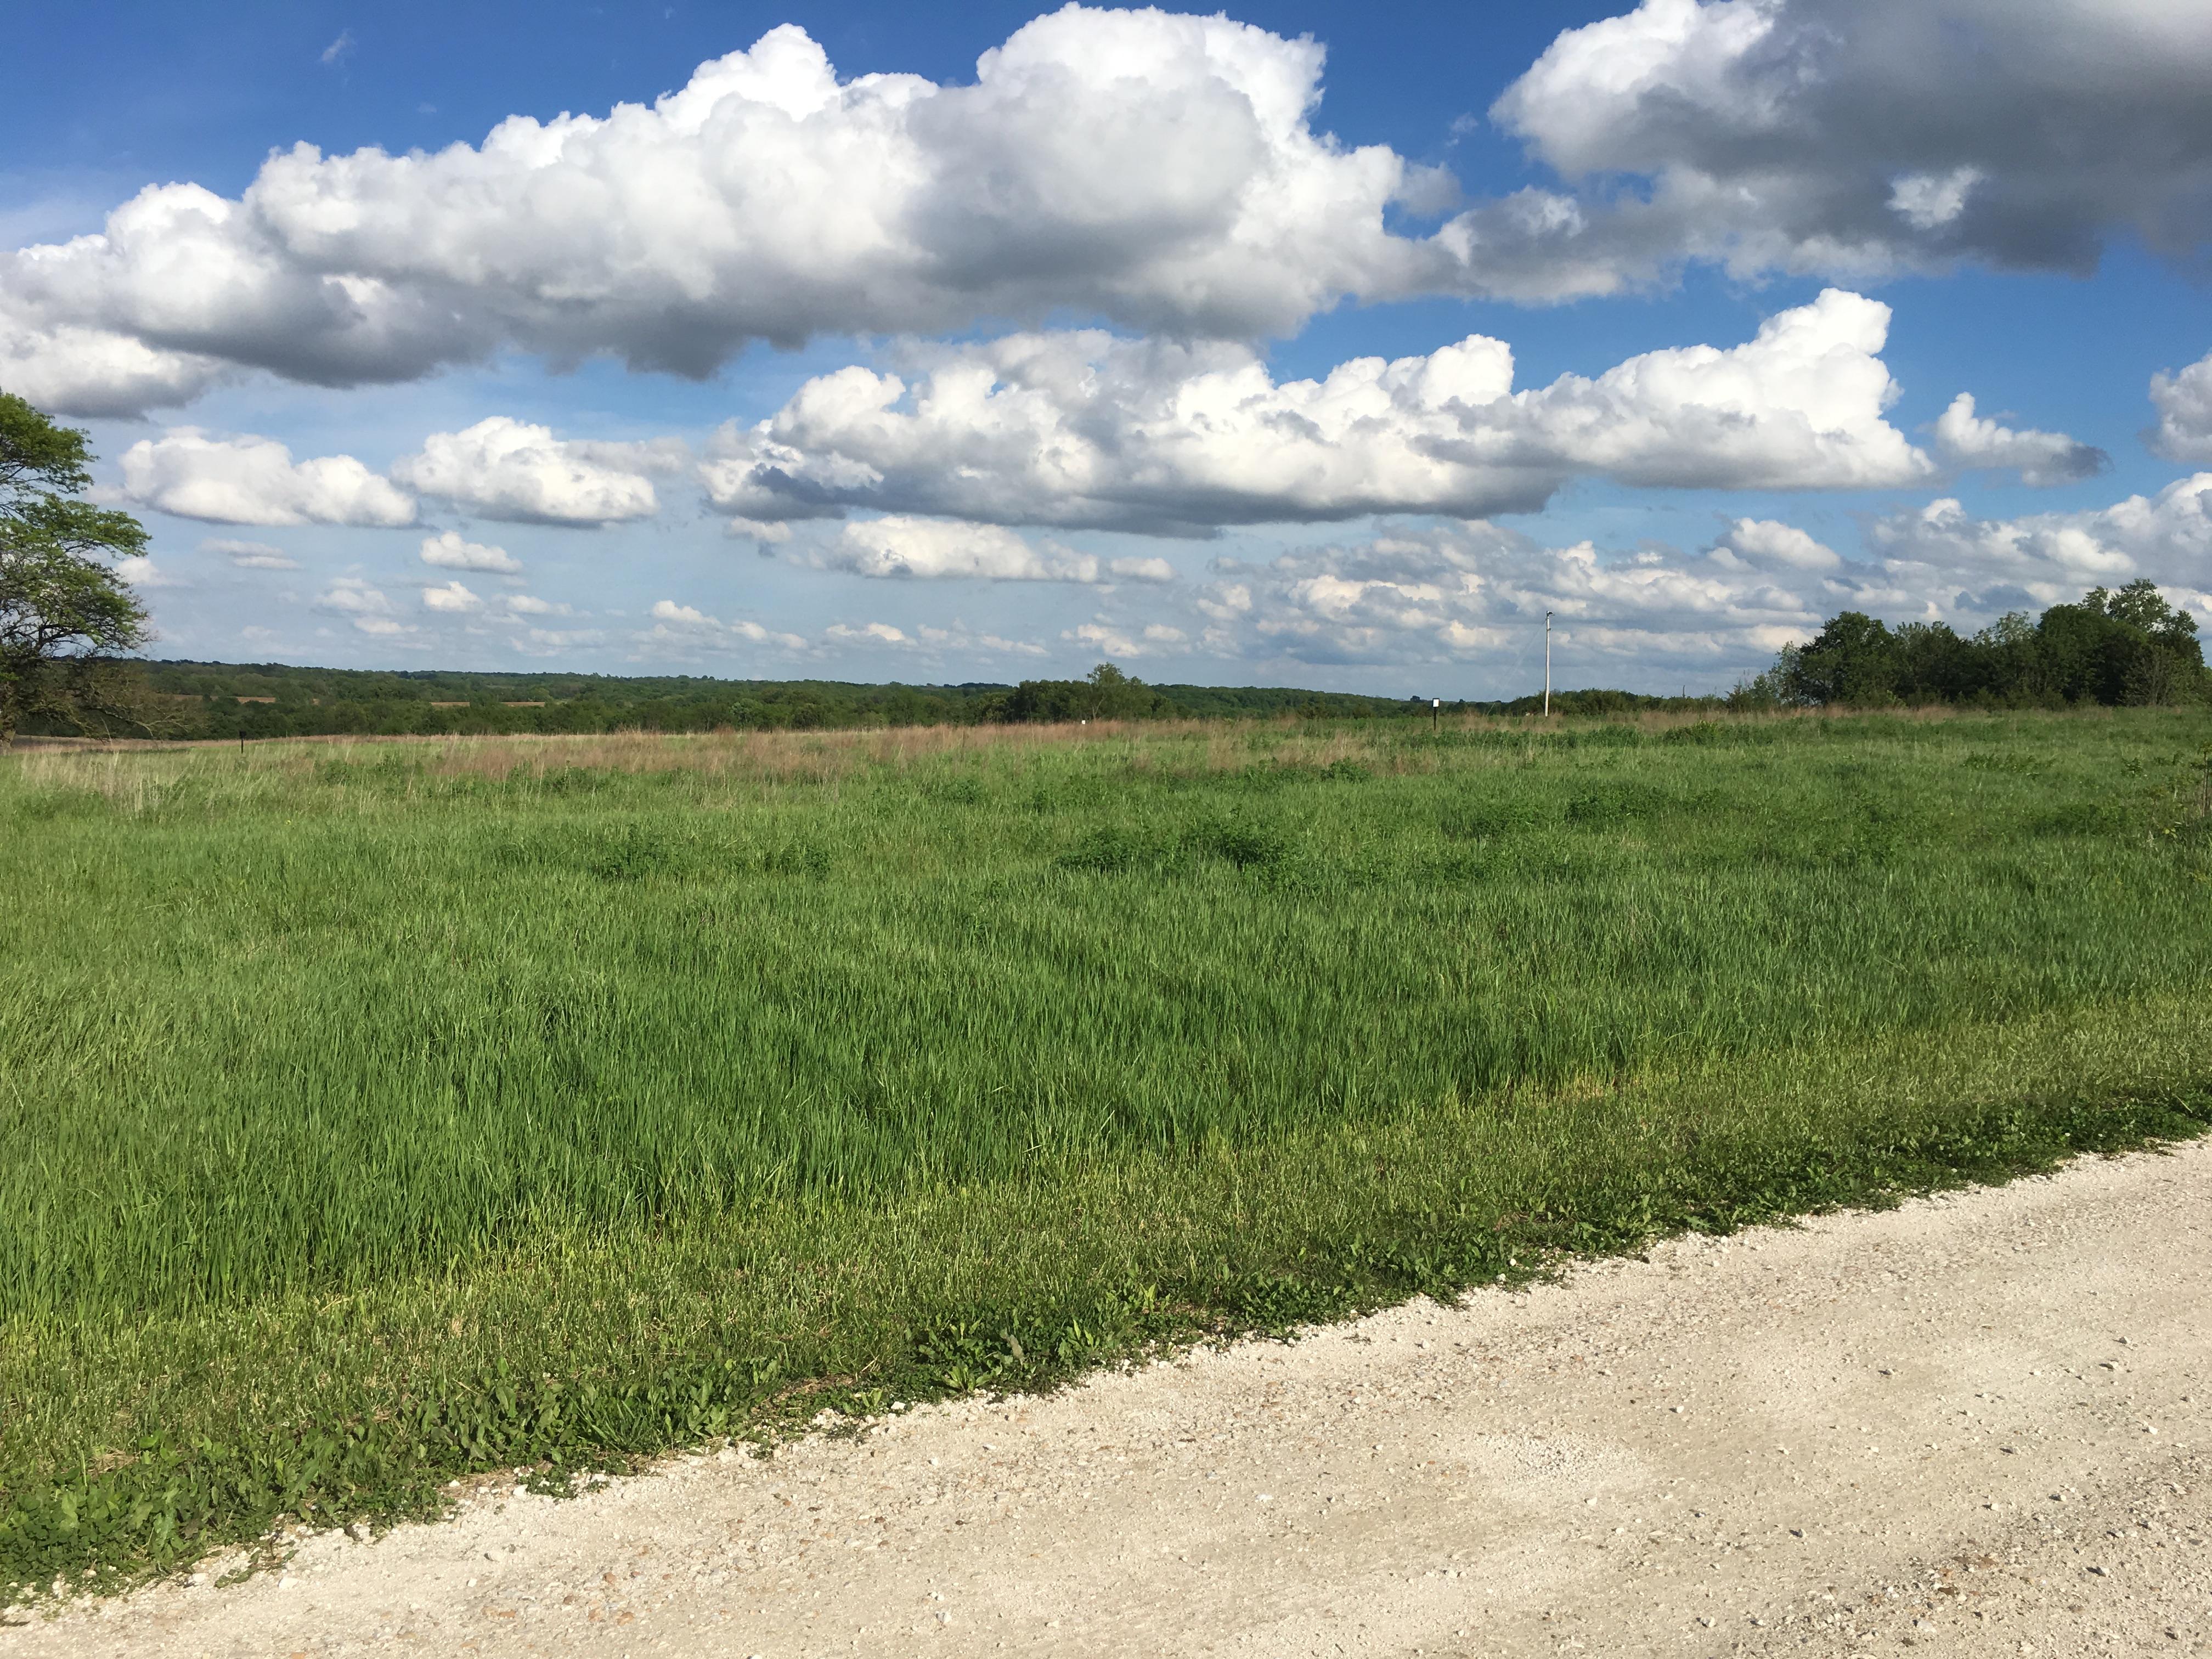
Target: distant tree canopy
<point x="1105" y="694"/>
<point x="2123" y="646"/>
<point x="65" y="615"/>
<point x="275" y="700"/>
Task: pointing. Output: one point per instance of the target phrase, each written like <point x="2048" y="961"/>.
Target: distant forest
<point x="2112" y="647"/>
<point x="205" y="700"/>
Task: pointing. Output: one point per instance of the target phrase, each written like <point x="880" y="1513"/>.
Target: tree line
<point x="207" y="700"/>
<point x="2111" y="647"/>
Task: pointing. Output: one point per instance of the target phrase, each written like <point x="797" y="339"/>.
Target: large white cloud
<point x="1085" y="430"/>
<point x="2184" y="402"/>
<point x="1844" y="137"/>
<point x="193" y="474"/>
<point x="1965" y="438"/>
<point x="1156" y="170"/>
<point x="1160" y="172"/>
<point x="507" y="468"/>
<point x="900" y="546"/>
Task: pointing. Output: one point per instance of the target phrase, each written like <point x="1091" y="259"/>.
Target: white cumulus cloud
<point x="902" y="546"/>
<point x="193" y="474"/>
<point x="140" y="571"/>
<point x="1965" y="439"/>
<point x="367" y="608"/>
<point x="1476" y="595"/>
<point x="1085" y="429"/>
<point x="1157" y="170"/>
<point x="1952" y="558"/>
<point x="2184" y="402"/>
<point x="926" y="641"/>
<point x="1851" y="137"/>
<point x="453" y="598"/>
<point x="511" y="470"/>
<point x="448" y="551"/>
<point x="88" y="370"/>
<point x="687" y="628"/>
<point x="250" y="556"/>
<point x="1767" y="542"/>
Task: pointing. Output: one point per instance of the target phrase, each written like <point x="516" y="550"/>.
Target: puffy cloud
<point x="1155" y="639"/>
<point x="453" y="598"/>
<point x="1767" y="542"/>
<point x="250" y="556"/>
<point x="767" y="535"/>
<point x="529" y="604"/>
<point x="193" y="474"/>
<point x="1477" y="595"/>
<point x="73" y="369"/>
<point x="931" y="548"/>
<point x="367" y="608"/>
<point x="1474" y="596"/>
<point x="1964" y="439"/>
<point x="555" y="641"/>
<point x="449" y="551"/>
<point x="2183" y="403"/>
<point x="866" y="633"/>
<point x="684" y="630"/>
<point x="1156" y="170"/>
<point x="506" y="469"/>
<point x="141" y="571"/>
<point x="1160" y="172"/>
<point x="929" y="641"/>
<point x="1845" y="137"/>
<point x="1083" y="429"/>
<point x="687" y="628"/>
<point x="1947" y="557"/>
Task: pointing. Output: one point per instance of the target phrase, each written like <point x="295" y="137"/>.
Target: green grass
<point x="377" y="1115"/>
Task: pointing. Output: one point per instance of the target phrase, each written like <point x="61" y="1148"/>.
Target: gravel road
<point x="1976" y="1424"/>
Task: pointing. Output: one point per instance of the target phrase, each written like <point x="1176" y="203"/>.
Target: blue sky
<point x="613" y="395"/>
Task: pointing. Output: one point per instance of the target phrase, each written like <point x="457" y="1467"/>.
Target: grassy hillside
<point x="379" y="1114"/>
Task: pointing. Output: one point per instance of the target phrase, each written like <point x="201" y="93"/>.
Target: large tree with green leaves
<point x="66" y="615"/>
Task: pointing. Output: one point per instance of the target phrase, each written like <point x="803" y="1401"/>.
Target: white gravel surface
<point x="1976" y="1424"/>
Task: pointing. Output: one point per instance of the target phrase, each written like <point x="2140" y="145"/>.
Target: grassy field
<point x="377" y="1114"/>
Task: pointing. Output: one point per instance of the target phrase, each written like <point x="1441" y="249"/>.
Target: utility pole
<point x="1548" y="664"/>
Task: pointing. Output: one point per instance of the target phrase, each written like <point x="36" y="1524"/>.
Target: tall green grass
<point x="634" y="1064"/>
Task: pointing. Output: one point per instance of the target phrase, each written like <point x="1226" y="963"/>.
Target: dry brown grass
<point x="139" y="773"/>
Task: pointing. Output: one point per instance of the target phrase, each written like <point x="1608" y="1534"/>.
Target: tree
<point x="64" y="615"/>
<point x="1854" y="662"/>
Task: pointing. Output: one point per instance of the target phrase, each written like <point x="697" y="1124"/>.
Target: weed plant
<point x="379" y="1113"/>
